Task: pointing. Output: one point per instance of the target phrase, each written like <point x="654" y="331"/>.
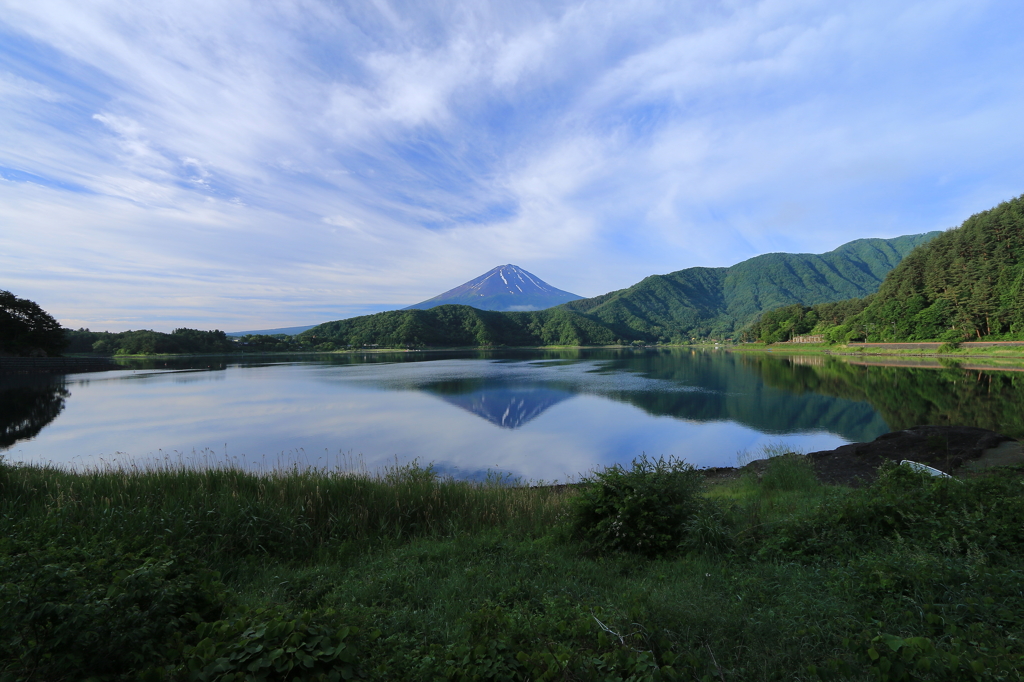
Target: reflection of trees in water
<point x="26" y="407"/>
<point x="911" y="396"/>
<point x="725" y="387"/>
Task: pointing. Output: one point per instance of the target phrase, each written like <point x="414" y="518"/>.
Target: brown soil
<point x="946" y="448"/>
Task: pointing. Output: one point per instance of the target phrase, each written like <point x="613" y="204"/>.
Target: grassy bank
<point x="1012" y="353"/>
<point x="638" y="573"/>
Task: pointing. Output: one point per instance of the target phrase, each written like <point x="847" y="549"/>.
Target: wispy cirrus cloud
<point x="239" y="164"/>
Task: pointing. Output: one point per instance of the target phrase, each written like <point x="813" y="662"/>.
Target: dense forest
<point x="461" y="325"/>
<point x="967" y="284"/>
<point x="696" y="303"/>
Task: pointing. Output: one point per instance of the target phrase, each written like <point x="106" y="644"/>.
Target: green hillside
<point x="702" y="302"/>
<point x="691" y="303"/>
<point x="461" y="325"/>
<point x="660" y="307"/>
<point x="966" y="284"/>
<point x="854" y="269"/>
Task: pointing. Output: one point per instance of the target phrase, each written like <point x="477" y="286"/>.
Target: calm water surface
<point x="544" y="415"/>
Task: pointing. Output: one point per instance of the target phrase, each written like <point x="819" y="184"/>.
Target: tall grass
<point x="227" y="511"/>
<point x="780" y="486"/>
<point x="777" y="578"/>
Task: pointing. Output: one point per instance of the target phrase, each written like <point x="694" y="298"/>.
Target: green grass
<point x="296" y="513"/>
<point x="1007" y="352"/>
<point x="409" y="575"/>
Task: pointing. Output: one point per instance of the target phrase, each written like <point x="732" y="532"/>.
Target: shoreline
<point x="1008" y="350"/>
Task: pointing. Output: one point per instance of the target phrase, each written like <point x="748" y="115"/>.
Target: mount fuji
<point x="505" y="288"/>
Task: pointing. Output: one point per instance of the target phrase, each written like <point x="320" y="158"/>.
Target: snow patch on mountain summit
<point x="524" y="292"/>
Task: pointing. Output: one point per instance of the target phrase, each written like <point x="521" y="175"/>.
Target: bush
<point x="100" y="612"/>
<point x="264" y="645"/>
<point x="643" y="509"/>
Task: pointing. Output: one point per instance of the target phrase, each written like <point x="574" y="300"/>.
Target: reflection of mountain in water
<point x="821" y="393"/>
<point x="26" y="406"/>
<point x="507" y="406"/>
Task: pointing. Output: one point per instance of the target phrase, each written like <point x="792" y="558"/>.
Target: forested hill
<point x="715" y="302"/>
<point x="968" y="283"/>
<point x="696" y="302"/>
<point x="461" y="325"/>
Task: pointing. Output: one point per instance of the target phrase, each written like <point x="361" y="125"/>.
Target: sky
<point x="249" y="165"/>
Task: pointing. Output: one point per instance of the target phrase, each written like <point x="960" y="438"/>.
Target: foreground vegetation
<point x="636" y="573"/>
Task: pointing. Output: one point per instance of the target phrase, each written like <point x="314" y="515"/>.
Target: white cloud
<point x="309" y="157"/>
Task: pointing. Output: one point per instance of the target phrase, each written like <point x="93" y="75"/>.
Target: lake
<point x="534" y="415"/>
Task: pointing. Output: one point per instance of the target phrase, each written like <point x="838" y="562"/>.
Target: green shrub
<point x="961" y="656"/>
<point x="267" y="645"/>
<point x="642" y="509"/>
<point x="987" y="513"/>
<point x="98" y="611"/>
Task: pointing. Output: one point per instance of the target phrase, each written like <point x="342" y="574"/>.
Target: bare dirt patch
<point x="958" y="450"/>
<point x="946" y="448"/>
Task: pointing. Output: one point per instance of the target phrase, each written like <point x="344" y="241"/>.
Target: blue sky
<point x="241" y="165"/>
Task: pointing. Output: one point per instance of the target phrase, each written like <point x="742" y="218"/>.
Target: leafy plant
<point x="642" y="509"/>
<point x="68" y="613"/>
<point x="268" y="645"/>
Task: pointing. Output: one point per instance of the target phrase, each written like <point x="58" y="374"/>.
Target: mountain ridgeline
<point x="966" y="284"/>
<point x="506" y="287"/>
<point x="717" y="302"/>
<point x="678" y="307"/>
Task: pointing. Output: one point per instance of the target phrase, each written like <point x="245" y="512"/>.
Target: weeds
<point x="229" y="512"/>
<point x="110" y="574"/>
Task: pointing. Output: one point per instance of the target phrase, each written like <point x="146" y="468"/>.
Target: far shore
<point x="896" y="354"/>
<point x="992" y="350"/>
